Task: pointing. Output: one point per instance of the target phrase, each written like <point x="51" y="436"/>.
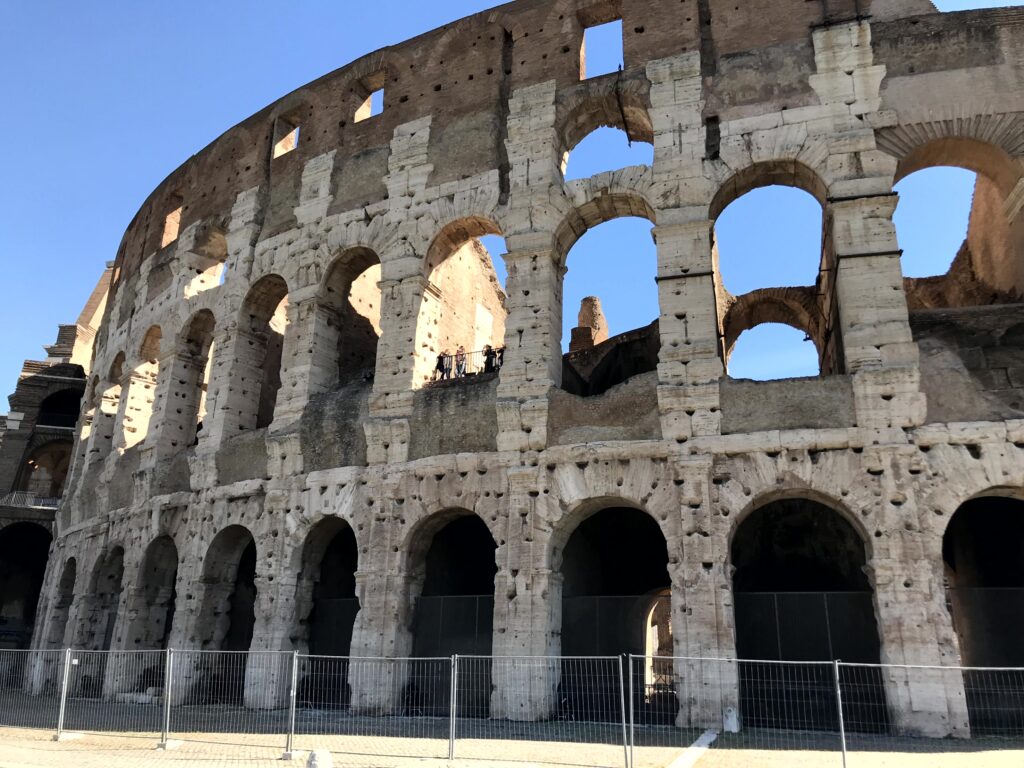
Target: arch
<point x="462" y="304"/>
<point x="983" y="558"/>
<point x="207" y="260"/>
<point x="140" y="394"/>
<point x="258" y="360"/>
<point x="785" y="173"/>
<point x="98" y="619"/>
<point x="614" y="570"/>
<point x="621" y="104"/>
<point x="153" y="601"/>
<point x="612" y="204"/>
<point x="450" y="575"/>
<point x="24" y="548"/>
<point x="60" y="607"/>
<point x="349" y="306"/>
<point x="227" y="616"/>
<point x="972" y="154"/>
<point x="45" y="469"/>
<point x="185" y="402"/>
<point x="801" y="592"/>
<point x="796" y="307"/>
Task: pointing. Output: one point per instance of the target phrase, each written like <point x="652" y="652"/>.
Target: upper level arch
<point x="784" y="173"/>
<point x="795" y="307"/>
<point x="615" y="203"/>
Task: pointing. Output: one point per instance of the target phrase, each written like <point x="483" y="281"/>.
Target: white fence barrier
<point x="618" y="710"/>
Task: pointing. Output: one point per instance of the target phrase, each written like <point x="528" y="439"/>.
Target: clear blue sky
<point x="104" y="99"/>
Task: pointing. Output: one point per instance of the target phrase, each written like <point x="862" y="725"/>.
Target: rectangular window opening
<point x="171" y="226"/>
<point x="373" y="104"/>
<point x="601" y="53"/>
<point x="286" y="137"/>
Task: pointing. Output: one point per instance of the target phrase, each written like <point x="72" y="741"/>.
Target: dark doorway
<point x="801" y="594"/>
<point x="615" y="583"/>
<point x="23" y="551"/>
<point x="327" y="597"/>
<point x="454" y="614"/>
<point x="983" y="551"/>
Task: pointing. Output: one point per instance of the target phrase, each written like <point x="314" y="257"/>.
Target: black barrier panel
<point x="806" y="626"/>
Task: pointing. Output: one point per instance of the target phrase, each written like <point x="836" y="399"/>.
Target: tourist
<point x="460" y="362"/>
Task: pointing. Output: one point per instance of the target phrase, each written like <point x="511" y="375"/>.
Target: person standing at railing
<point x="460" y="362"/>
<point x="490" y="359"/>
<point x="443" y="369"/>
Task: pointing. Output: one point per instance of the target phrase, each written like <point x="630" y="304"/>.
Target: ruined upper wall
<point x="462" y="75"/>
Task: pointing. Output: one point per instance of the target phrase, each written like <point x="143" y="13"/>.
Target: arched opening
<point x="327" y="606"/>
<point x="773" y="351"/>
<point x="606" y="149"/>
<point x="769" y="254"/>
<point x="259" y="348"/>
<point x="960" y="248"/>
<point x="97" y="622"/>
<point x="349" y="308"/>
<point x="153" y="602"/>
<point x="460" y="328"/>
<point x="60" y="409"/>
<point x="610" y="306"/>
<point x="45" y="470"/>
<point x="141" y="395"/>
<point x="24" y="548"/>
<point x="451" y="575"/>
<point x="105" y="417"/>
<point x="56" y="629"/>
<point x="206" y="262"/>
<point x="615" y="587"/>
<point x="189" y="382"/>
<point x="801" y="594"/>
<point x="227" y="617"/>
<point x="983" y="553"/>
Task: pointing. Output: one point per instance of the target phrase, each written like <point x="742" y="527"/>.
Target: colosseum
<point x="279" y="447"/>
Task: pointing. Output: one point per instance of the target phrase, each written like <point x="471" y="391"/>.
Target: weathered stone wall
<point x="477" y="119"/>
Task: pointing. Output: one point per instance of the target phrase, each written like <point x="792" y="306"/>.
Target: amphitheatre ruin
<point x="256" y="445"/>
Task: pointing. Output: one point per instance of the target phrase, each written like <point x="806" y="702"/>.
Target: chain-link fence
<point x="633" y="711"/>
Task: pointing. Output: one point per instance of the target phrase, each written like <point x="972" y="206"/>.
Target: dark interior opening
<point x="60" y="409"/>
<point x="23" y="551"/>
<point x="801" y="594"/>
<point x="983" y="551"/>
<point x="615" y="576"/>
<point x="454" y="613"/>
<point x="242" y="613"/>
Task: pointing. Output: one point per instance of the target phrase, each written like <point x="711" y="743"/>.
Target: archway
<point x="451" y="578"/>
<point x="349" y="308"/>
<point x="227" y="617"/>
<point x="97" y="622"/>
<point x="462" y="309"/>
<point x="801" y="594"/>
<point x="258" y="353"/>
<point x="615" y="580"/>
<point x="140" y="396"/>
<point x="960" y="247"/>
<point x="606" y="149"/>
<point x="153" y="602"/>
<point x="770" y="251"/>
<point x="189" y="382"/>
<point x="23" y="552"/>
<point x="45" y="470"/>
<point x="983" y="553"/>
<point x="327" y="605"/>
<point x="60" y="608"/>
<point x="610" y="302"/>
<point x="60" y="409"/>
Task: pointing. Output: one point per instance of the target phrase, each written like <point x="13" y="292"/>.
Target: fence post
<point x="453" y="696"/>
<point x="839" y="704"/>
<point x="632" y="699"/>
<point x="165" y="733"/>
<point x="63" y="694"/>
<point x="622" y="714"/>
<point x="293" y="692"/>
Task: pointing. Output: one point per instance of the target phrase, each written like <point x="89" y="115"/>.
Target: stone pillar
<point x="533" y="342"/>
<point x="137" y="405"/>
<point x="527" y="610"/>
<point x="302" y="371"/>
<point x="916" y="629"/>
<point x="689" y="364"/>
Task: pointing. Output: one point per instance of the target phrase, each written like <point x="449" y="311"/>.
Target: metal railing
<point x="459" y="365"/>
<point x="631" y="711"/>
<point x="26" y="500"/>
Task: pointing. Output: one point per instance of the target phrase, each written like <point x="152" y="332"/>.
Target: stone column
<point x="533" y="342"/>
<point x="303" y="373"/>
<point x="689" y="361"/>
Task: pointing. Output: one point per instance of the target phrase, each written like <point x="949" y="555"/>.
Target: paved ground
<point x="27" y="748"/>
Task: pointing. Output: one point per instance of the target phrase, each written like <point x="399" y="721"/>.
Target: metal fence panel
<point x="572" y="707"/>
<point x="30" y="688"/>
<point x="115" y="691"/>
<point x="374" y="706"/>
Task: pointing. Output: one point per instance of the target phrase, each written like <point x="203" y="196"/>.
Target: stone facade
<point x="243" y="321"/>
